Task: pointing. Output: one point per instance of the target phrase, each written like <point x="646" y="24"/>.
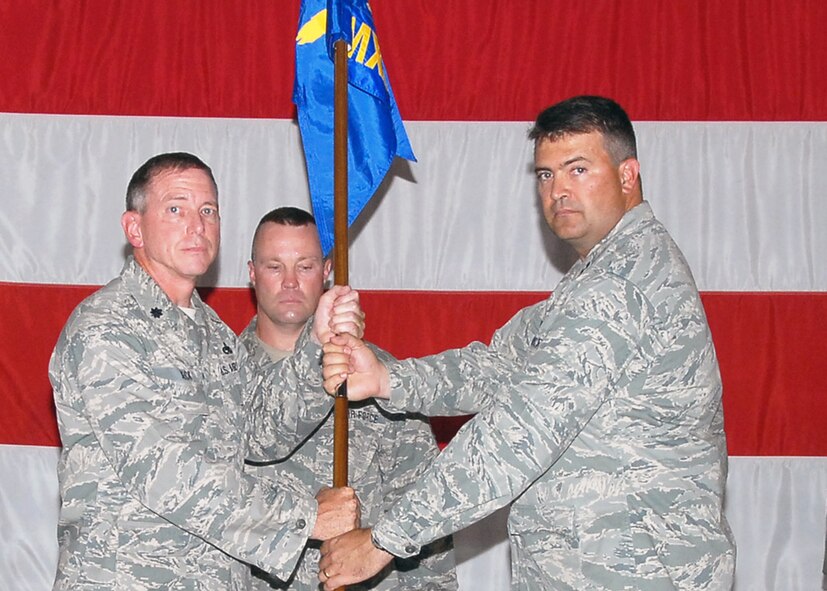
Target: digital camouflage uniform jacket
<point x="153" y="409"/>
<point x="386" y="454"/>
<point x="599" y="417"/>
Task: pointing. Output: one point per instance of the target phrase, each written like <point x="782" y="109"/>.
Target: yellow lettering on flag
<point x="361" y="39"/>
<point x="360" y="45"/>
<point x="313" y="29"/>
<point x="375" y="61"/>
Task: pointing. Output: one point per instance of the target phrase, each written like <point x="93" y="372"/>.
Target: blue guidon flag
<point x="375" y="131"/>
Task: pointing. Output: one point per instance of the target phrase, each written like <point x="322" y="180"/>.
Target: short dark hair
<point x="177" y="161"/>
<point x="283" y="216"/>
<point x="586" y="114"/>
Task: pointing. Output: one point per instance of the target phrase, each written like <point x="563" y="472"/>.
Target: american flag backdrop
<point x="728" y="99"/>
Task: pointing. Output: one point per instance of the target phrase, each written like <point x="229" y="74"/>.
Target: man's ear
<point x="328" y="267"/>
<point x="629" y="173"/>
<point x="131" y="224"/>
<point x="252" y="270"/>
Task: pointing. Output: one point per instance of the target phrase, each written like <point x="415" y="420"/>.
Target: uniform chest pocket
<point x="183" y="411"/>
<point x="362" y="460"/>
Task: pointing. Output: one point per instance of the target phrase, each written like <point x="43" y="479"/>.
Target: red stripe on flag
<point x="33" y="316"/>
<point x="771" y="348"/>
<point x="661" y="59"/>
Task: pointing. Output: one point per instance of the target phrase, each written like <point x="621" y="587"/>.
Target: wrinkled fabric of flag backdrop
<point x="728" y="102"/>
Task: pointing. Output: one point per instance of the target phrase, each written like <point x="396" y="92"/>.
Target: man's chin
<point x="566" y="229"/>
<point x="197" y="269"/>
<point x="299" y="315"/>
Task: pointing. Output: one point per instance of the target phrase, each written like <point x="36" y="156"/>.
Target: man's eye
<point x="173" y="209"/>
<point x="208" y="211"/>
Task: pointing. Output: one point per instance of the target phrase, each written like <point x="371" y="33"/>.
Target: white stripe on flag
<point x="774" y="505"/>
<point x="743" y="200"/>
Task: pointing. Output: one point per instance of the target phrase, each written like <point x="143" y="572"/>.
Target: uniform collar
<point x="153" y="302"/>
<point x="628" y="224"/>
<point x="264" y="354"/>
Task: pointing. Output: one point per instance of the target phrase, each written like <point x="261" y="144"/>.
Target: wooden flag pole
<point x="340" y="243"/>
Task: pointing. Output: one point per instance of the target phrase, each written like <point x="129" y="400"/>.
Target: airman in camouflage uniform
<point x="599" y="414"/>
<point x="387" y="452"/>
<point x="154" y="398"/>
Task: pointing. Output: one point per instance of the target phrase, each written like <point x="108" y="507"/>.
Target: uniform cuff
<point x="390" y="538"/>
<point x="288" y="539"/>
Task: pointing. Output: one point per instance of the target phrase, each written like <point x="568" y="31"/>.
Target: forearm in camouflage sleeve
<point x="413" y="450"/>
<point x="534" y="416"/>
<point x="287" y="406"/>
<point x="457" y="381"/>
<point x="159" y="441"/>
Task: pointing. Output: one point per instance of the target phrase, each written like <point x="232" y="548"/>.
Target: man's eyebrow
<point x="574" y="159"/>
<point x="566" y="163"/>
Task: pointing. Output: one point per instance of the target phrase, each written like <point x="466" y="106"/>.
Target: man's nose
<point x="195" y="224"/>
<point x="290" y="280"/>
<point x="559" y="190"/>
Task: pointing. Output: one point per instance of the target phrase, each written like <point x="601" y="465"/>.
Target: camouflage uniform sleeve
<point x="288" y="403"/>
<point x="468" y="390"/>
<point x="534" y="415"/>
<point x="413" y="449"/>
<point x="162" y="445"/>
